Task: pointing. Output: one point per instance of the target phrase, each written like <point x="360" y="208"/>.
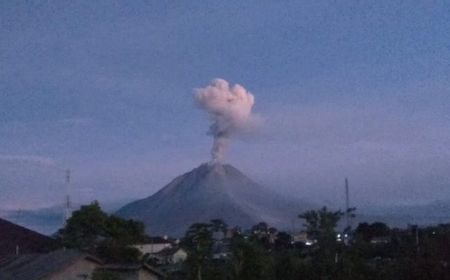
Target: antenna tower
<point x="347" y="204"/>
<point x="67" y="202"/>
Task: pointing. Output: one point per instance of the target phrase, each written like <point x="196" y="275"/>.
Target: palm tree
<point x="198" y="241"/>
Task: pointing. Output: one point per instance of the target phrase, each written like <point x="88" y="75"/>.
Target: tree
<point x="85" y="228"/>
<point x="218" y="225"/>
<point x="124" y="232"/>
<point x="198" y="242"/>
<point x="105" y="275"/>
<point x="366" y="231"/>
<point x="283" y="241"/>
<point x="249" y="260"/>
<point x="289" y="266"/>
<point x="261" y="227"/>
<point x="109" y="236"/>
<point x="320" y="225"/>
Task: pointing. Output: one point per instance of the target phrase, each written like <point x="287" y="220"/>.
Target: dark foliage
<point x="374" y="252"/>
<point x="105" y="275"/>
<point x="107" y="236"/>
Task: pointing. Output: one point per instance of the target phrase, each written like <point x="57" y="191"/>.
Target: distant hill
<point x="403" y="215"/>
<point x="43" y="220"/>
<point x="48" y="220"/>
<point x="208" y="192"/>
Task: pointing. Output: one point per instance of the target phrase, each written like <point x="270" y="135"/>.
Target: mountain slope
<point x="211" y="191"/>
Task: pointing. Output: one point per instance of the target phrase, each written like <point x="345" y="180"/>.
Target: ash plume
<point x="229" y="108"/>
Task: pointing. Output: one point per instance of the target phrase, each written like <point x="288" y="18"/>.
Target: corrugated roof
<point x="38" y="266"/>
<point x="128" y="267"/>
<point x="168" y="251"/>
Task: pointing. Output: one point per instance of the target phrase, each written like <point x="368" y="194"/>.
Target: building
<point x="155" y="244"/>
<point x="70" y="265"/>
<point x="380" y="240"/>
<point x="169" y="256"/>
<point x="302" y="237"/>
<point x="15" y="240"/>
<point x="57" y="265"/>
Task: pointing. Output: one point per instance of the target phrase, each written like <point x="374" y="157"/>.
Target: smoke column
<point x="229" y="109"/>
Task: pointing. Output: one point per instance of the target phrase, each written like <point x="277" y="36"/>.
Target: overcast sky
<point x="343" y="88"/>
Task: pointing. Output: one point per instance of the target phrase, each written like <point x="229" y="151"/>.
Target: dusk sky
<point x="357" y="89"/>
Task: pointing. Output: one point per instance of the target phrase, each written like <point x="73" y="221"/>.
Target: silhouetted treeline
<point x="219" y="252"/>
<point x="370" y="251"/>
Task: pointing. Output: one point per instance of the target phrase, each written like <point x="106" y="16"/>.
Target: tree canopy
<point x="91" y="229"/>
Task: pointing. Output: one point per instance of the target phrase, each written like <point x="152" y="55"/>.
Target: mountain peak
<point x="218" y="168"/>
<point x="210" y="191"/>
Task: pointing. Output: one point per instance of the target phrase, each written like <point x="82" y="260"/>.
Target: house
<point x="57" y="265"/>
<point x="302" y="237"/>
<point x="134" y="271"/>
<point x="380" y="240"/>
<point x="169" y="256"/>
<point x="15" y="240"/>
<point x="221" y="249"/>
<point x="69" y="265"/>
<point x="155" y="244"/>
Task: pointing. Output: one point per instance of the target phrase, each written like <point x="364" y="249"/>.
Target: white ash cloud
<point x="230" y="110"/>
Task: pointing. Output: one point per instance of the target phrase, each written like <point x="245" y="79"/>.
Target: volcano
<point x="212" y="191"/>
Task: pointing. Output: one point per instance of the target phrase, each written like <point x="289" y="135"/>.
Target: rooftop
<point x="14" y="237"/>
<point x="38" y="266"/>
